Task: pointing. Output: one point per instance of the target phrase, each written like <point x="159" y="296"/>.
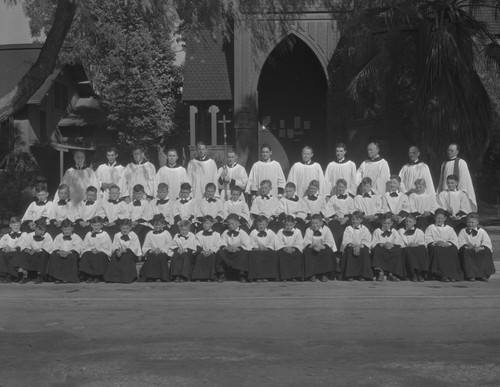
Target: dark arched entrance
<point x="292" y="98"/>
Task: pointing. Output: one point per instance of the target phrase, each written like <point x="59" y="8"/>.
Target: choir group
<point x="212" y="224"/>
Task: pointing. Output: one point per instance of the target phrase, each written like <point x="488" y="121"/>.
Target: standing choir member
<point x="356" y="242"/>
<point x="415" y="169"/>
<point x="10" y="247"/>
<point x="96" y="250"/>
<point x="442" y="243"/>
<point x="62" y="209"/>
<point x="266" y="169"/>
<point x="235" y="244"/>
<point x="386" y="252"/>
<point x="201" y="171"/>
<point x="206" y="266"/>
<point x="339" y="208"/>
<point x="173" y="175"/>
<point x="156" y="250"/>
<point x="230" y="175"/>
<point x="319" y="247"/>
<point x="422" y="205"/>
<point x="142" y="172"/>
<point x="376" y="168"/>
<point x="303" y="172"/>
<point x="182" y="250"/>
<point x="63" y="262"/>
<point x="262" y="259"/>
<point x="341" y="168"/>
<point x="289" y="245"/>
<point x="108" y="174"/>
<point x="415" y="257"/>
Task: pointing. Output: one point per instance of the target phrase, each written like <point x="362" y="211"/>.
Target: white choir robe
<point x="296" y="240"/>
<point x="301" y="175"/>
<point x="35" y="212"/>
<point x="399" y="205"/>
<point x="317" y="206"/>
<point x="267" y="242"/>
<point x="455" y="202"/>
<point x="266" y="171"/>
<point x="179" y="242"/>
<point x="434" y="234"/>
<point x="143" y="173"/>
<point x="29" y="242"/>
<point x="101" y="242"/>
<point x="370" y="206"/>
<point x="114" y="211"/>
<point x="360" y="236"/>
<point x="144" y="211"/>
<point x="184" y="211"/>
<point x="339" y="207"/>
<point x="200" y="173"/>
<point x="133" y="243"/>
<point x="78" y="180"/>
<point x="345" y="169"/>
<point x="61" y="244"/>
<point x="167" y="209"/>
<point x="418" y="237"/>
<point x="109" y="174"/>
<point x="238" y="175"/>
<point x="377" y="170"/>
<point x="242" y="240"/>
<point x="267" y="207"/>
<point x="239" y="207"/>
<point x="208" y="242"/>
<point x="422" y="203"/>
<point x="14" y="243"/>
<point x="173" y="177"/>
<point x="326" y="238"/>
<point x="86" y="212"/>
<point x="481" y="239"/>
<point x="298" y="209"/>
<point x="61" y="211"/>
<point x="159" y="241"/>
<point x="413" y="171"/>
<point x="203" y="207"/>
<point x="378" y="238"/>
<point x="465" y="180"/>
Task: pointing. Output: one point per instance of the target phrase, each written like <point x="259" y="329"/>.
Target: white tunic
<point x="100" y="241"/>
<point x="339" y="206"/>
<point x="266" y="171"/>
<point x="132" y="243"/>
<point x="239" y="207"/>
<point x="417" y="237"/>
<point x="35" y="211"/>
<point x="377" y="170"/>
<point x="8" y="241"/>
<point x="481" y="239"/>
<point x="268" y="241"/>
<point x="143" y="174"/>
<point x="204" y="207"/>
<point x="86" y="212"/>
<point x="78" y="180"/>
<point x="369" y="205"/>
<point x="60" y="211"/>
<point x="345" y="169"/>
<point x="184" y="211"/>
<point x="413" y="171"/>
<point x="62" y="244"/>
<point x="420" y="203"/>
<point x="238" y="175"/>
<point x="378" y="238"/>
<point x="208" y="242"/>
<point x="267" y="207"/>
<point x="326" y="238"/>
<point x="297" y="209"/>
<point x="109" y="174"/>
<point x="295" y="240"/>
<point x="454" y="202"/>
<point x="167" y="209"/>
<point x="435" y="234"/>
<point x="399" y="205"/>
<point x="180" y="242"/>
<point x="173" y="177"/>
<point x="114" y="211"/>
<point x="45" y="244"/>
<point x="465" y="180"/>
<point x="301" y="175"/>
<point x="142" y="211"/>
<point x="242" y="240"/>
<point x="317" y="206"/>
<point x="200" y="173"/>
<point x="156" y="240"/>
<point x="356" y="236"/>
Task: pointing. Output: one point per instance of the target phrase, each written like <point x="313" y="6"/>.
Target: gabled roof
<point x="208" y="67"/>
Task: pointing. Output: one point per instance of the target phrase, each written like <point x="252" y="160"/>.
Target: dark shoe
<point x="221" y="278"/>
<point x="89" y="281"/>
<point x="96" y="280"/>
<point x="350" y="279"/>
<point x="421" y="278"/>
<point x="471" y="279"/>
<point x="445" y="279"/>
<point x="324" y="278"/>
<point x="484" y="279"/>
<point x="265" y="280"/>
<point x="39" y="280"/>
<point x="392" y="277"/>
<point x="361" y="279"/>
<point x="380" y="276"/>
<point x="242" y="279"/>
<point x="414" y="278"/>
<point x="313" y="278"/>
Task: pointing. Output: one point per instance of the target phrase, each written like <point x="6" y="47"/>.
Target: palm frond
<point x="366" y="77"/>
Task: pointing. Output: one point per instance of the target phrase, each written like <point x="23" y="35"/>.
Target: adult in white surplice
<point x="376" y="168"/>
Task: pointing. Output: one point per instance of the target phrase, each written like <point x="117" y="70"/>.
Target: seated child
<point x="163" y="205"/>
<point x="10" y="247"/>
<point x="415" y="257"/>
<point x="265" y="204"/>
<point x="183" y="209"/>
<point x="63" y="262"/>
<point x="235" y="244"/>
<point x="370" y="204"/>
<point x="36" y="248"/>
<point x="291" y="204"/>
<point x="209" y="205"/>
<point x="422" y="204"/>
<point x="182" y="248"/>
<point x="140" y="213"/>
<point x="113" y="210"/>
<point x="206" y="266"/>
<point x="96" y="251"/>
<point x="62" y="209"/>
<point x="85" y="211"/>
<point x="262" y="259"/>
<point x="156" y="250"/>
<point x="319" y="247"/>
<point x="456" y="202"/>
<point x="475" y="250"/>
<point x="315" y="202"/>
<point x="126" y="253"/>
<point x="289" y="245"/>
<point x="39" y="209"/>
<point x="386" y="251"/>
<point x="338" y="210"/>
<point x="442" y="243"/>
<point x="395" y="202"/>
<point x="237" y="205"/>
<point x="356" y="242"/>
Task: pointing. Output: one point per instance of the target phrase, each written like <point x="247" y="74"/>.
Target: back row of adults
<point x="202" y="170"/>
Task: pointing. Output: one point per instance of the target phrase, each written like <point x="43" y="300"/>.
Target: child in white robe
<point x="231" y="174"/>
<point x="39" y="209"/>
<point x="10" y="247"/>
<point x="113" y="211"/>
<point x="184" y="209"/>
<point x="289" y="245"/>
<point x="140" y="212"/>
<point x="63" y="262"/>
<point x="415" y="257"/>
<point x="62" y="209"/>
<point x="422" y="205"/>
<point x="456" y="202"/>
<point x="395" y="202"/>
<point x="156" y="251"/>
<point x="262" y="259"/>
<point x="370" y="204"/>
<point x="236" y="204"/>
<point x="96" y="251"/>
<point x="265" y="204"/>
<point x="182" y="250"/>
<point x="338" y="210"/>
<point x="163" y="204"/>
<point x="85" y="211"/>
<point x="206" y="265"/>
<point x="233" y="254"/>
<point x="293" y="205"/>
<point x="386" y="251"/>
<point x="209" y="205"/>
<point x="356" y="242"/>
<point x="315" y="202"/>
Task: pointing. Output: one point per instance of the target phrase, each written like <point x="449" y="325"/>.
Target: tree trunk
<point x="15" y="99"/>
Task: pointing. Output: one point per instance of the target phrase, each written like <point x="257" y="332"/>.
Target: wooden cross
<point x="224" y="122"/>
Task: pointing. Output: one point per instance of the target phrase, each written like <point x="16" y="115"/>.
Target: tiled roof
<point x="208" y="67"/>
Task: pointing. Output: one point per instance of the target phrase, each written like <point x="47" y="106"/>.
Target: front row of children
<point x="260" y="256"/>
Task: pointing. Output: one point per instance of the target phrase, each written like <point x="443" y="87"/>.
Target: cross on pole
<point x="224" y="121"/>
